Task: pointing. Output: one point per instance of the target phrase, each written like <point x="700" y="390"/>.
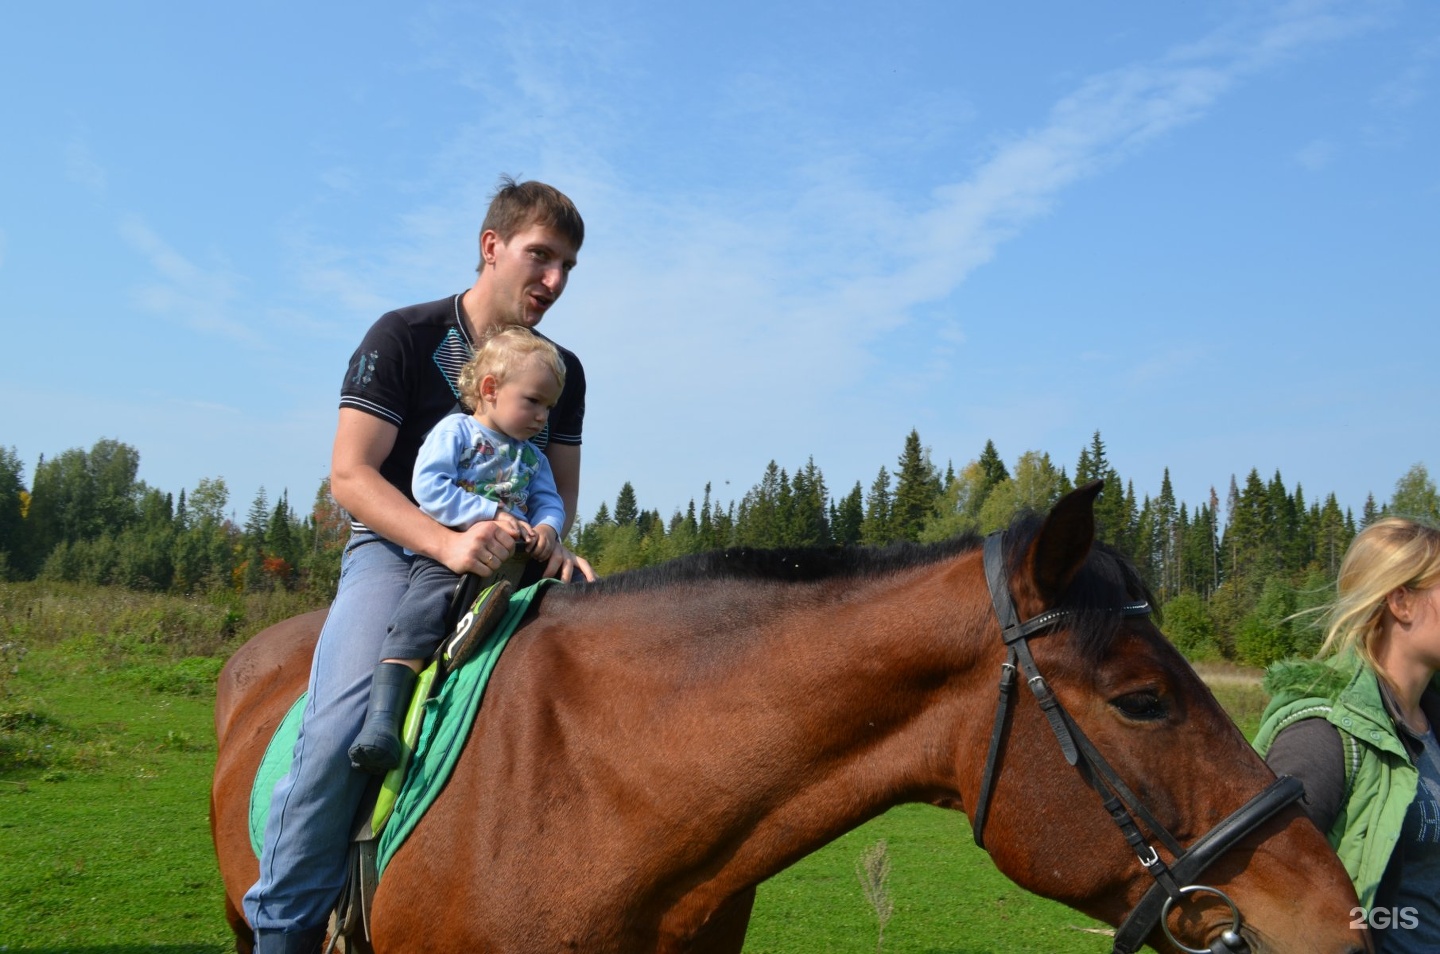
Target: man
<point x="400" y="382"/>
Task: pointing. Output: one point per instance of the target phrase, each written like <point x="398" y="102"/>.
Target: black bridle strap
<point x="1015" y="634"/>
<point x="992" y="756"/>
<point x="1172" y="882"/>
<point x="1282" y="792"/>
<point x="1118" y="797"/>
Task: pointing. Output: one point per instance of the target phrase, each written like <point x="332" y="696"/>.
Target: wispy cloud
<point x="1396" y="100"/>
<point x="777" y="293"/>
<point x="787" y="306"/>
<point x="81" y="166"/>
<point x="202" y="299"/>
<point x="1411" y="86"/>
<point x="1315" y="155"/>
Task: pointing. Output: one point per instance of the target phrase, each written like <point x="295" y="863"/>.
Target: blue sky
<point x="1208" y="230"/>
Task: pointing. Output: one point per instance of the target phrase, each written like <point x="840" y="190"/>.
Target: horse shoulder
<point x="273" y="664"/>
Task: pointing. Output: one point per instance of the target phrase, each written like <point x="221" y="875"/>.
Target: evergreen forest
<point x="1229" y="575"/>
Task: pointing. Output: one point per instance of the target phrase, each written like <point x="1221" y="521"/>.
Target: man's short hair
<point x="519" y="205"/>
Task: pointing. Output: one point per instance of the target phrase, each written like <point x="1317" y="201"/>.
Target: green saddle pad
<point x="448" y="716"/>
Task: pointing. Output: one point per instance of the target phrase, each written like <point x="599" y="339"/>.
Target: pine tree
<point x="916" y="491"/>
<point x="848" y="517"/>
<point x="1248" y="538"/>
<point x="281" y="543"/>
<point x="1114" y="516"/>
<point x="1200" y="549"/>
<point x="992" y="473"/>
<point x="1167" y="540"/>
<point x="256" y="523"/>
<point x="706" y="535"/>
<point x="1146" y="548"/>
<point x="760" y="520"/>
<point x="1284" y="542"/>
<point x="875" y="530"/>
<point x="1093" y="463"/>
<point x="1371" y="513"/>
<point x="627" y="512"/>
<point x="1332" y="538"/>
<point x="810" y="521"/>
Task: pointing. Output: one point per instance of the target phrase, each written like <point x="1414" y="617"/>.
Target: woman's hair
<point x="500" y="353"/>
<point x="1390" y="553"/>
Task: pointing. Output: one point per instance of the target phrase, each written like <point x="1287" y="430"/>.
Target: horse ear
<point x="1064" y="542"/>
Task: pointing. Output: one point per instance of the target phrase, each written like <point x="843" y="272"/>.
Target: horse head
<point x="1116" y="783"/>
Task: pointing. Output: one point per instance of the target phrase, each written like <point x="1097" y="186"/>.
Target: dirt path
<point x="1228" y="674"/>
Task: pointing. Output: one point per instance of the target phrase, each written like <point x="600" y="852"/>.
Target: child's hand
<point x="514" y="526"/>
<point x="542" y="542"/>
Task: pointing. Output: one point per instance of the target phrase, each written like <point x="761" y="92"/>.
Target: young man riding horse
<point x="399" y="384"/>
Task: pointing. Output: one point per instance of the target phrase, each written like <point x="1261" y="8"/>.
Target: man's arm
<point x="362" y="442"/>
<point x="565" y="468"/>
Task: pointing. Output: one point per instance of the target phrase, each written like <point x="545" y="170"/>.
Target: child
<point x="471" y="468"/>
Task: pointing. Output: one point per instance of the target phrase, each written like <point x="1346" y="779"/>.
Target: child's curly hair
<point x="500" y="353"/>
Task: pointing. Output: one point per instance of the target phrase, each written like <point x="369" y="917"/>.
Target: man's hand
<point x="479" y="550"/>
<point x="566" y="565"/>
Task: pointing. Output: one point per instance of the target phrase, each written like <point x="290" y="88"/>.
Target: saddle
<point x="447" y="699"/>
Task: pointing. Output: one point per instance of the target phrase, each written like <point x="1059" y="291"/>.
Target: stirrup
<point x="475" y="625"/>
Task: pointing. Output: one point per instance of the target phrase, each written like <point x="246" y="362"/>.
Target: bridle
<point x="1174" y="882"/>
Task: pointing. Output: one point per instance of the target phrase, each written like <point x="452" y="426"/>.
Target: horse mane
<point x="1106" y="581"/>
<point x="783" y="565"/>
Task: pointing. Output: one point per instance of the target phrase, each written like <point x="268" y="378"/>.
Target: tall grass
<point x="63" y="632"/>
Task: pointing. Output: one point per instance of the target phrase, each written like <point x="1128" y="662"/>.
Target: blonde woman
<point x="1358" y="728"/>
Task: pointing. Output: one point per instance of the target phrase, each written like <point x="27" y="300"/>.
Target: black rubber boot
<point x="377" y="748"/>
<point x="294" y="942"/>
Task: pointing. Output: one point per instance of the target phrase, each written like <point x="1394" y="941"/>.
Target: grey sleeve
<point x="1311" y="751"/>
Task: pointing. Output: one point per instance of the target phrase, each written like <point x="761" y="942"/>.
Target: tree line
<point x="1230" y="581"/>
<point x="85" y="518"/>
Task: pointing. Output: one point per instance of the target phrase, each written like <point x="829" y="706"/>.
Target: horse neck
<point x="840" y="705"/>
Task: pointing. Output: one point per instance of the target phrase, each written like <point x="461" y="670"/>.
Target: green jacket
<point x="1380" y="778"/>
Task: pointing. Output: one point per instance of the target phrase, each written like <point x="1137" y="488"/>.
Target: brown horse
<point x="654" y="746"/>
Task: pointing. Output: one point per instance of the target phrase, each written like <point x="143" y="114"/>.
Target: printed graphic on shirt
<point x="450" y="357"/>
<point x="502" y="472"/>
<point x="1427" y="811"/>
<point x="365" y="370"/>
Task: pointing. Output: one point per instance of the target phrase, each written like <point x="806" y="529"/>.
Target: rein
<point x="1122" y="804"/>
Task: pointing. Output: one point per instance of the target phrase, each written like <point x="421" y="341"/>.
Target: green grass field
<point x="106" y="749"/>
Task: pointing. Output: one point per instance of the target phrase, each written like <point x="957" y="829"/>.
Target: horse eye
<point x="1144" y="706"/>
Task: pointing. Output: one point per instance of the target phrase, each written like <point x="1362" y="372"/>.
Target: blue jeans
<point x="302" y="863"/>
